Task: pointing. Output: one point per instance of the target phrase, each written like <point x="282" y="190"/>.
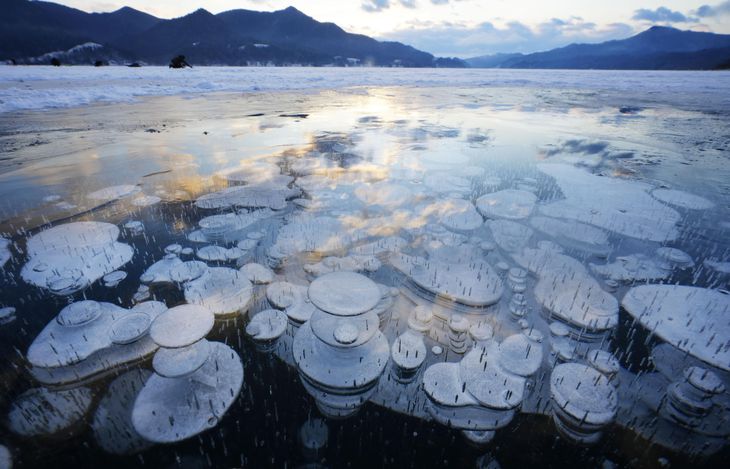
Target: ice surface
<point x="252" y="196"/>
<point x="70" y="257"/>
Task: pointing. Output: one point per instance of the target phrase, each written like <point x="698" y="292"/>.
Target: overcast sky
<point x="467" y="28"/>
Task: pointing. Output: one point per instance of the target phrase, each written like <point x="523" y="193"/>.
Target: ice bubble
<point x="159" y="272"/>
<point x="693" y="319"/>
<point x="187" y="271"/>
<point x="574" y="234"/>
<point x="146" y="200"/>
<point x="88" y="338"/>
<point x="473" y="284"/>
<point x="174" y="409"/>
<point x="294" y="299"/>
<point x="45" y="412"/>
<point x="509" y="235"/>
<point x="510" y="203"/>
<point x="255" y="173"/>
<point x="267" y="325"/>
<point x="420" y="319"/>
<point x="113" y="193"/>
<point x="7" y="315"/>
<point x="604" y="361"/>
<point x="4" y="251"/>
<point x="717" y="266"/>
<point x="213" y="253"/>
<point x="322" y="235"/>
<point x="68" y="258"/>
<point x="134" y="227"/>
<point x="257" y="273"/>
<point x="675" y="257"/>
<point x="221" y="290"/>
<point x="181" y="361"/>
<point x="182" y="326"/>
<point x="583" y="401"/>
<point x="458" y="215"/>
<point x="113" y="279"/>
<point x="187" y="251"/>
<point x="617" y="205"/>
<point x="633" y="267"/>
<point x="382" y="246"/>
<point x="682" y="199"/>
<point x="313" y="436"/>
<point x="344" y="293"/>
<point x="173" y="249"/>
<point x="408" y="353"/>
<point x="112" y="424"/>
<point x="228" y="227"/>
<point x="489" y="384"/>
<point x="251" y="196"/>
<point x="352" y="263"/>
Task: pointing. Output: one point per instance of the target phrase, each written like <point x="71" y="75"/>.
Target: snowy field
<point x="41" y="87"/>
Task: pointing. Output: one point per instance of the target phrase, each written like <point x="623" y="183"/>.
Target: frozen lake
<point x="224" y="267"/>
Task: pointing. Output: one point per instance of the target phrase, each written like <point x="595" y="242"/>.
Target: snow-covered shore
<point x="41" y="87"/>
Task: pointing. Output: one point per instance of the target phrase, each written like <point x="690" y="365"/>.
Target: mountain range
<point x="657" y="48"/>
<point x="36" y="31"/>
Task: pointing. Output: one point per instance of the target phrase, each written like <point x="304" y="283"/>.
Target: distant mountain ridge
<point x="657" y="48"/>
<point x="31" y="30"/>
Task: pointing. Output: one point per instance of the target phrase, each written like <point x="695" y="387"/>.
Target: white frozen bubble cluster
<point x="89" y="338"/>
<point x="340" y="351"/>
<point x="266" y="327"/>
<point x="618" y="205"/>
<point x="222" y="290"/>
<point x="109" y="194"/>
<point x="263" y="195"/>
<point x="307" y="234"/>
<point x="693" y="319"/>
<point x="583" y="401"/>
<point x="351" y="263"/>
<point x="228" y="227"/>
<point x="70" y="257"/>
<point x="195" y="381"/>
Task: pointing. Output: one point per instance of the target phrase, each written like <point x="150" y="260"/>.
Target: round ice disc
<point x="269" y="324"/>
<point x="79" y="313"/>
<point x="344" y="293"/>
<point x="188" y="271"/>
<point x="519" y="356"/>
<point x="179" y="362"/>
<point x="584" y="393"/>
<point x="129" y="328"/>
<point x="181" y="326"/>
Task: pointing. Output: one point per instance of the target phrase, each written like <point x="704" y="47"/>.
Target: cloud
<point x="708" y="11"/>
<point x="662" y="15"/>
<point x="461" y="40"/>
<point x="373" y="6"/>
